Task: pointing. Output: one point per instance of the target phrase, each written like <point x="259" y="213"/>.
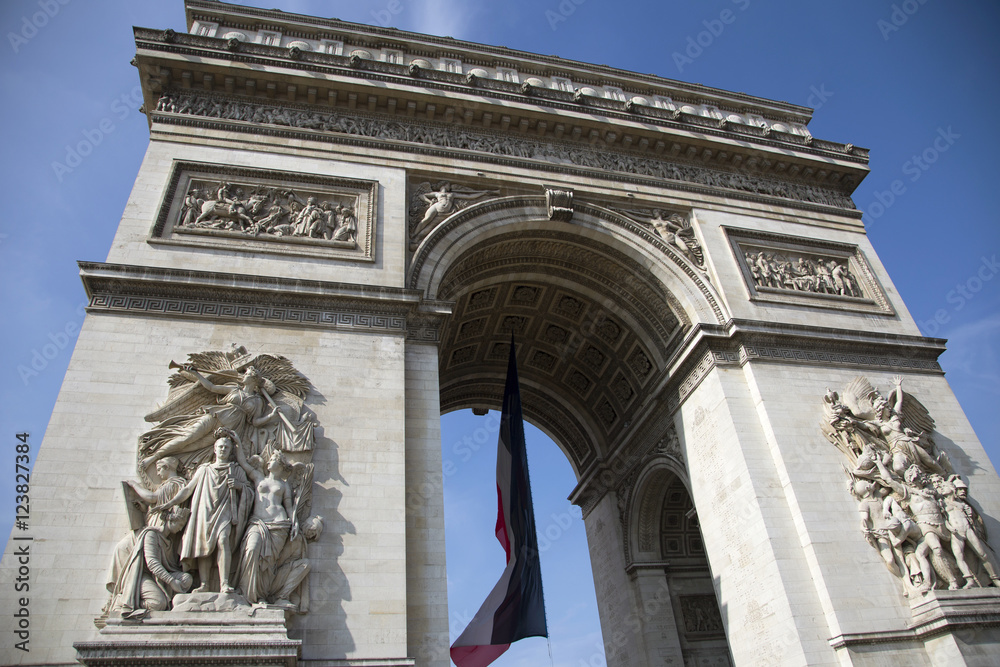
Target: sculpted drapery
<point x="206" y="504"/>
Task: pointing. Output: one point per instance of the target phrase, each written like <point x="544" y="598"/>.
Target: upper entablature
<point x="240" y="68"/>
<point x="598" y="85"/>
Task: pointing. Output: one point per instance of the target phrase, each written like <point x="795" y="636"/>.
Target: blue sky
<point x="892" y="77"/>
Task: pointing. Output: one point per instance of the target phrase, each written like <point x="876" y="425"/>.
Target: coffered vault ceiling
<point x="593" y="333"/>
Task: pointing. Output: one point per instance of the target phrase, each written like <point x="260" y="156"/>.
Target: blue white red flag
<point x="515" y="608"/>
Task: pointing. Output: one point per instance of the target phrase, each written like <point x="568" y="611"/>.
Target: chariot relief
<point x="221" y="511"/>
<point x="913" y="508"/>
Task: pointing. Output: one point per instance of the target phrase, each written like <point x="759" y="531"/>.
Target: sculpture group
<point x="222" y="508"/>
<point x="913" y="508"/>
<point x="267" y="211"/>
<point x="675" y="229"/>
<point x="804" y="274"/>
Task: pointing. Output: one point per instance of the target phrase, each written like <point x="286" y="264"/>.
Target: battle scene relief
<point x="913" y="507"/>
<point x="258" y="210"/>
<point x="269" y="212"/>
<point x="807" y="272"/>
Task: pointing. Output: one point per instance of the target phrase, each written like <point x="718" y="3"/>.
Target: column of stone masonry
<point x="426" y="580"/>
<point x="659" y="625"/>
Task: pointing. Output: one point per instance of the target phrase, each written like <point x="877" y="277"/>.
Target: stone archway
<point x="668" y="566"/>
<point x="600" y="308"/>
<point x="588" y="302"/>
<point x="703" y="299"/>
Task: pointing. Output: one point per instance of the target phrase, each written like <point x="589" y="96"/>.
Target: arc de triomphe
<point x="334" y="232"/>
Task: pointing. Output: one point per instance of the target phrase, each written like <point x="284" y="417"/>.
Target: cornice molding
<point x="735" y="344"/>
<point x="739" y="342"/>
<point x="379" y="35"/>
<point x="196" y="46"/>
<point x="938" y="612"/>
<point x="180" y="293"/>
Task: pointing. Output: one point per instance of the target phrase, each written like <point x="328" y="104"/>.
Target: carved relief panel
<point x="808" y="272"/>
<point x="275" y="212"/>
<point x="914" y="509"/>
<point x="674" y="228"/>
<point x="221" y="512"/>
<point x="430" y="203"/>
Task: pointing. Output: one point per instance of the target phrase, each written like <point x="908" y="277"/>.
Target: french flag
<point x="515" y="608"/>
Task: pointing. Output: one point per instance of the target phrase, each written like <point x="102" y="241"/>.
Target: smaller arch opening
<point x="666" y="540"/>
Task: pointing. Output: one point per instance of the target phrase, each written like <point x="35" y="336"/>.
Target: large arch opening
<point x="588" y="303"/>
<point x="475" y="559"/>
<point x="599" y="309"/>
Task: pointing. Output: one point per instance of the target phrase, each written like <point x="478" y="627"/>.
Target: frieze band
<point x="229" y="311"/>
<point x="461" y="137"/>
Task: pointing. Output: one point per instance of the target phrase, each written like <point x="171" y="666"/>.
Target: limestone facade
<point x="614" y="222"/>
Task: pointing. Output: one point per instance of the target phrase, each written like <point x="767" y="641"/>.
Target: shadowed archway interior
<point x="600" y="309"/>
<point x="593" y="328"/>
